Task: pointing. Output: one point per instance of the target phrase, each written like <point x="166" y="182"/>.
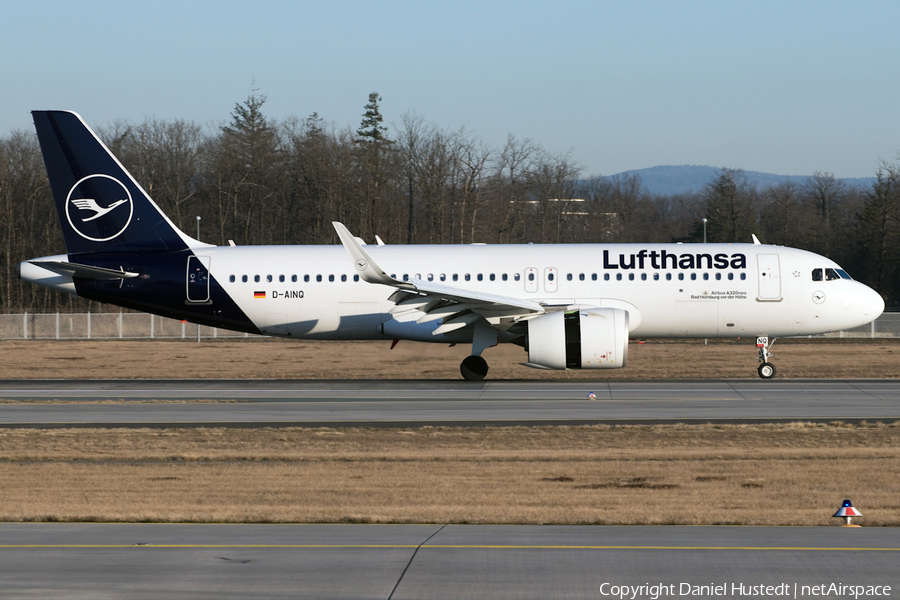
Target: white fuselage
<point x="741" y="290"/>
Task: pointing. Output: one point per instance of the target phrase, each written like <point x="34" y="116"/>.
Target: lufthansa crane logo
<point x="361" y="264"/>
<point x="99" y="208"/>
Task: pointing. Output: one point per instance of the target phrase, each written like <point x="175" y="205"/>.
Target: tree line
<point x="254" y="180"/>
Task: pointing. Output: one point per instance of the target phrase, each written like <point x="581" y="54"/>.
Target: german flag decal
<point x="259" y="294"/>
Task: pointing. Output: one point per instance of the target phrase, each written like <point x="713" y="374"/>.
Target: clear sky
<point x="782" y="87"/>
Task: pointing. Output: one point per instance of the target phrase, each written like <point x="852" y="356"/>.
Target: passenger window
<point x="606" y="277"/>
<point x="318" y="278"/>
<point x="743" y="276"/>
<point x="706" y="277"/>
<point x="269" y="278"/>
<point x="430" y="277"/>
<point x="480" y="277"/>
<point x="581" y="277"/>
<point x="730" y="276"/>
<point x="593" y="277"/>
<point x="531" y="277"/>
<point x="817" y="274"/>
<point x="443" y="277"/>
<point x="356" y="278"/>
<point x="618" y="277"/>
<point x="718" y="276"/>
<point x="516" y="276"/>
<point x="468" y="277"/>
<point x="256" y="278"/>
<point x="492" y="277"/>
<point x="294" y="278"/>
<point x="281" y="278"/>
<point x="406" y="277"/>
<point x="668" y="277"/>
<point x="244" y="278"/>
<point x="643" y="277"/>
<point x="343" y="278"/>
<point x="681" y="277"/>
<point x="550" y="276"/>
<point x="455" y="277"/>
<point x="231" y="278"/>
<point x="693" y="276"/>
<point x="504" y="277"/>
<point x="831" y="275"/>
<point x="419" y="276"/>
<point x="331" y="278"/>
<point x="631" y="277"/>
<point x="306" y="278"/>
<point x="656" y="277"/>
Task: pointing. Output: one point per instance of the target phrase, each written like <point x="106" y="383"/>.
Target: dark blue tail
<point x="101" y="207"/>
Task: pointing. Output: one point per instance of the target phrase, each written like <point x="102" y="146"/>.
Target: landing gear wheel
<point x="766" y="370"/>
<point x="473" y="368"/>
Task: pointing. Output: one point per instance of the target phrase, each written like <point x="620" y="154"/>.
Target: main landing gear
<point x="475" y="368"/>
<point x="766" y="370"/>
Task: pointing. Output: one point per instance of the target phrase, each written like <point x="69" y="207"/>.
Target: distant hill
<point x="668" y="180"/>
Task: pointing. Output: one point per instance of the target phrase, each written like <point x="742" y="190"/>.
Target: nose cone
<point x="871" y="303"/>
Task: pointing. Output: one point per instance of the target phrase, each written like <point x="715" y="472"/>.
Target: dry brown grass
<point x="667" y="474"/>
<point x="289" y="359"/>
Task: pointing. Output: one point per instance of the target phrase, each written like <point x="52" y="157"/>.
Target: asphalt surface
<point x="250" y="403"/>
<point x="434" y="561"/>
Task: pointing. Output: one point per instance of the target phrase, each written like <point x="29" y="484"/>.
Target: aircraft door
<point x="769" y="278"/>
<point x="551" y="280"/>
<point x="531" y="280"/>
<point x="198" y="279"/>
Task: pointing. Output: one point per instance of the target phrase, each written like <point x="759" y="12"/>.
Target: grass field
<point x="794" y="474"/>
<point x="287" y="359"/>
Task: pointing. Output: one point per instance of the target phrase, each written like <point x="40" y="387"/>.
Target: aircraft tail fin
<point x="101" y="207"/>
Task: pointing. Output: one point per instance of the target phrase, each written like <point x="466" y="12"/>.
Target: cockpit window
<point x="831" y="275"/>
<point x="817" y="274"/>
<point x="844" y="274"/>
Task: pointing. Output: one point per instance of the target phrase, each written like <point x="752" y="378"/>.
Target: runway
<point x="434" y="561"/>
<point x="250" y="403"/>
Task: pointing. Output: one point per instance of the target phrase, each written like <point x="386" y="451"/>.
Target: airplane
<point x="570" y="306"/>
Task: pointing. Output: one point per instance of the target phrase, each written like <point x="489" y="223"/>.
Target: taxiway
<point x="431" y="561"/>
<point x="257" y="403"/>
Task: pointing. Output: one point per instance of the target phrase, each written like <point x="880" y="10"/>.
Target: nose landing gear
<point x="766" y="370"/>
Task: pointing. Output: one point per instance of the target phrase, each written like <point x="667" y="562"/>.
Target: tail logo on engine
<point x="99" y="208"/>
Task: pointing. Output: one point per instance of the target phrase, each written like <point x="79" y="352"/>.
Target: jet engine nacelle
<point x="595" y="338"/>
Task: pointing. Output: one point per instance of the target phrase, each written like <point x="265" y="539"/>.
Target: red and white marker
<point x="591" y="396"/>
<point x="846" y="511"/>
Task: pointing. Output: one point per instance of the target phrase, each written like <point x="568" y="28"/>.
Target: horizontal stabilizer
<point x="82" y="271"/>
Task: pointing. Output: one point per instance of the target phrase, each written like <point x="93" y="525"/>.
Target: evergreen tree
<point x="371" y="130"/>
<point x="375" y="165"/>
<point x="730" y="207"/>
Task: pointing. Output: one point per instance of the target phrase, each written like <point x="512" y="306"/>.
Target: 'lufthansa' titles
<point x="660" y="259"/>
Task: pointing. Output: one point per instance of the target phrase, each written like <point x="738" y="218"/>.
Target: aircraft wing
<point x="425" y="301"/>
